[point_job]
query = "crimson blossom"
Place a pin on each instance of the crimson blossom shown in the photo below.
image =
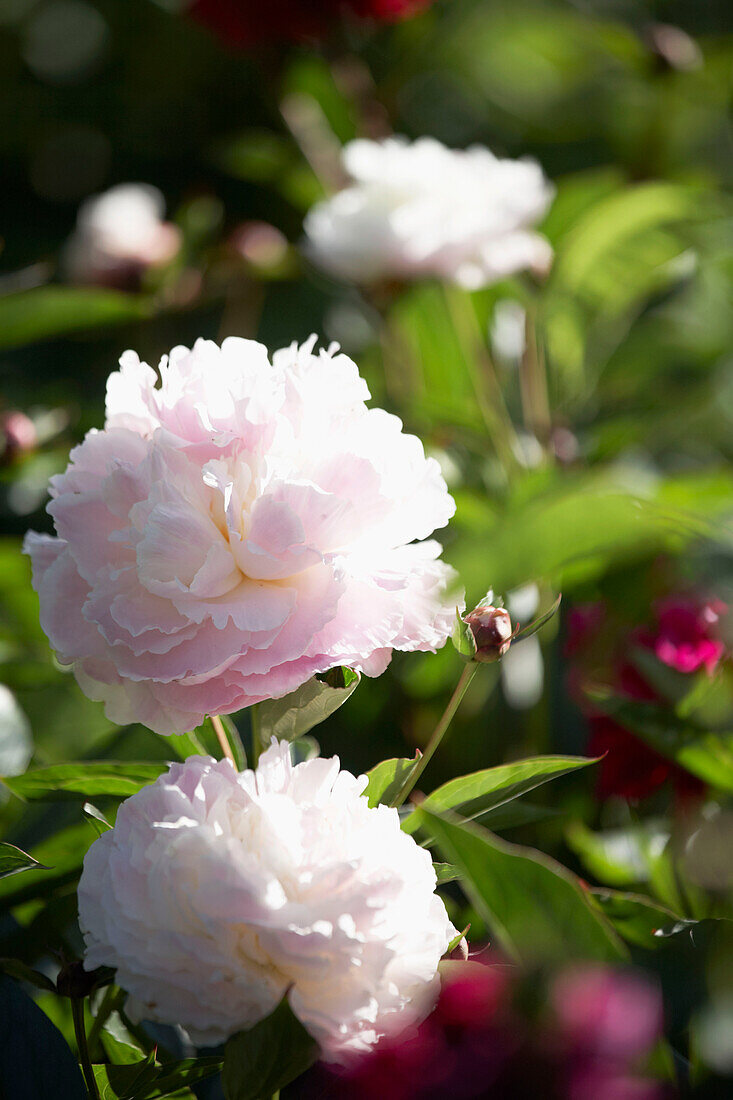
(244, 23)
(683, 636)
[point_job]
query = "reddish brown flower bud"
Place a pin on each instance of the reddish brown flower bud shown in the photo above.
(17, 435)
(492, 632)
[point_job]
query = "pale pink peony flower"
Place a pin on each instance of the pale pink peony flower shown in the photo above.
(237, 530)
(420, 209)
(217, 892)
(120, 234)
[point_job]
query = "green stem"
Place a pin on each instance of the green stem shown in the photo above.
(77, 1011)
(257, 746)
(467, 675)
(533, 383)
(485, 380)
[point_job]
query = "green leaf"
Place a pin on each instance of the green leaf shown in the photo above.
(118, 1050)
(621, 216)
(13, 860)
(485, 790)
(570, 529)
(637, 918)
(96, 818)
(388, 778)
(184, 745)
(618, 857)
(533, 627)
(536, 908)
(16, 969)
(262, 1060)
(81, 781)
(35, 1060)
(708, 754)
(446, 872)
(49, 311)
(147, 1081)
(462, 638)
(59, 859)
(307, 706)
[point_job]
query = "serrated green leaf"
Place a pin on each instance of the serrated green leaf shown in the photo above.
(81, 781)
(387, 779)
(262, 1060)
(13, 860)
(536, 908)
(492, 787)
(309, 705)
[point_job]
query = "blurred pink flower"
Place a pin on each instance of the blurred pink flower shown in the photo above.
(479, 1042)
(119, 235)
(236, 530)
(685, 637)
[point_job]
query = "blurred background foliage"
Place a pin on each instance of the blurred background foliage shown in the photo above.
(603, 471)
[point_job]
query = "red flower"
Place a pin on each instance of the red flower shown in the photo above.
(683, 637)
(244, 23)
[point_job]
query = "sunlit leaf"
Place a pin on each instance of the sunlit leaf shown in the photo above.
(49, 311)
(84, 780)
(488, 789)
(307, 706)
(387, 779)
(536, 909)
(13, 860)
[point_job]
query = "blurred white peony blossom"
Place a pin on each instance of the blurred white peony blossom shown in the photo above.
(119, 234)
(421, 209)
(217, 892)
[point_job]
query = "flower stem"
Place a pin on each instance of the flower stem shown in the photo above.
(533, 383)
(254, 718)
(77, 1011)
(467, 675)
(222, 738)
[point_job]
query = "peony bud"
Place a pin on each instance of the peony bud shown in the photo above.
(17, 435)
(492, 632)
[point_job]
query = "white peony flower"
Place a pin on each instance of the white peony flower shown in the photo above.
(119, 234)
(217, 892)
(236, 529)
(421, 209)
